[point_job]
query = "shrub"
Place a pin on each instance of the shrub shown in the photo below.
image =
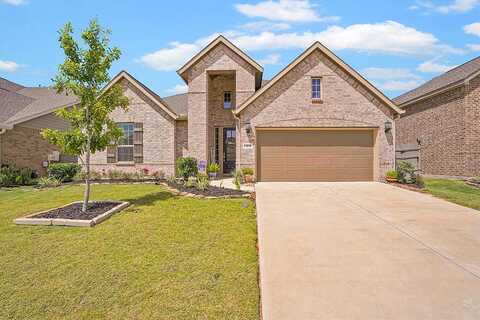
(191, 182)
(213, 167)
(392, 174)
(49, 182)
(187, 167)
(12, 176)
(138, 175)
(96, 175)
(202, 182)
(63, 171)
(238, 178)
(114, 174)
(247, 171)
(419, 181)
(79, 176)
(406, 172)
(127, 175)
(172, 179)
(158, 175)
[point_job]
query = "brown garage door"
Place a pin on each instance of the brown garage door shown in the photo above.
(315, 155)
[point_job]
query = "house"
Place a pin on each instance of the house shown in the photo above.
(442, 118)
(24, 111)
(316, 120)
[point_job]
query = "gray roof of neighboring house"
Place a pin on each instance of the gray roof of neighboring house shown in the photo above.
(452, 77)
(19, 103)
(178, 103)
(9, 85)
(11, 103)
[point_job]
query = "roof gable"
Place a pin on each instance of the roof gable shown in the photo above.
(318, 46)
(448, 80)
(210, 46)
(145, 90)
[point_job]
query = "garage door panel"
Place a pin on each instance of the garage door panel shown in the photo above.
(315, 155)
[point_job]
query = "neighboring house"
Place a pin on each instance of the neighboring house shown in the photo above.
(316, 120)
(24, 111)
(442, 118)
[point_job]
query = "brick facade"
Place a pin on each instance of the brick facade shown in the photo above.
(472, 128)
(447, 126)
(219, 68)
(287, 103)
(159, 149)
(345, 104)
(25, 147)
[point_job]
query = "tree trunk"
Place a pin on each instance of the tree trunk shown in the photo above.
(86, 194)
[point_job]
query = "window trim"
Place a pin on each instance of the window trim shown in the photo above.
(227, 104)
(131, 146)
(320, 98)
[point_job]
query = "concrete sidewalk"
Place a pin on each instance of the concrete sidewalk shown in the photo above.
(365, 251)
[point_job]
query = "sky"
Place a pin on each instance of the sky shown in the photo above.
(397, 45)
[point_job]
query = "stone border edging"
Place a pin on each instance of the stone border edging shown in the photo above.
(200, 196)
(30, 220)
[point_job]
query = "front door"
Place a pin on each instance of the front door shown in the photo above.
(229, 150)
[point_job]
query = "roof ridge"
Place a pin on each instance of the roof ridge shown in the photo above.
(459, 66)
(317, 45)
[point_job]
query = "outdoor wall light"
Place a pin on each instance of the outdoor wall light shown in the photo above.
(388, 126)
(248, 128)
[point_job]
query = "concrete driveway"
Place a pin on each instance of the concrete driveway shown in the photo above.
(365, 251)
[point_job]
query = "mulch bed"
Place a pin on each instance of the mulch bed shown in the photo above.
(212, 191)
(411, 187)
(74, 211)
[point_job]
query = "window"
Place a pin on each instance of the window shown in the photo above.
(227, 100)
(125, 144)
(316, 88)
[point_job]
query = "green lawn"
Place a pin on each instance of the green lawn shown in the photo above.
(164, 257)
(455, 191)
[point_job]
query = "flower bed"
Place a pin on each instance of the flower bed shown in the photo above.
(72, 215)
(210, 192)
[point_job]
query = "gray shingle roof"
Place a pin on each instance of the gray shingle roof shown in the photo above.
(19, 103)
(454, 76)
(11, 103)
(9, 85)
(178, 103)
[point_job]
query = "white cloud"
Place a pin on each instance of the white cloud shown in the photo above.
(283, 10)
(473, 28)
(170, 58)
(388, 37)
(265, 26)
(392, 79)
(474, 47)
(270, 59)
(15, 2)
(457, 6)
(433, 67)
(396, 85)
(9, 66)
(177, 89)
(388, 73)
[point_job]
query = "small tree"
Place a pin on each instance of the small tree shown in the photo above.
(84, 73)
